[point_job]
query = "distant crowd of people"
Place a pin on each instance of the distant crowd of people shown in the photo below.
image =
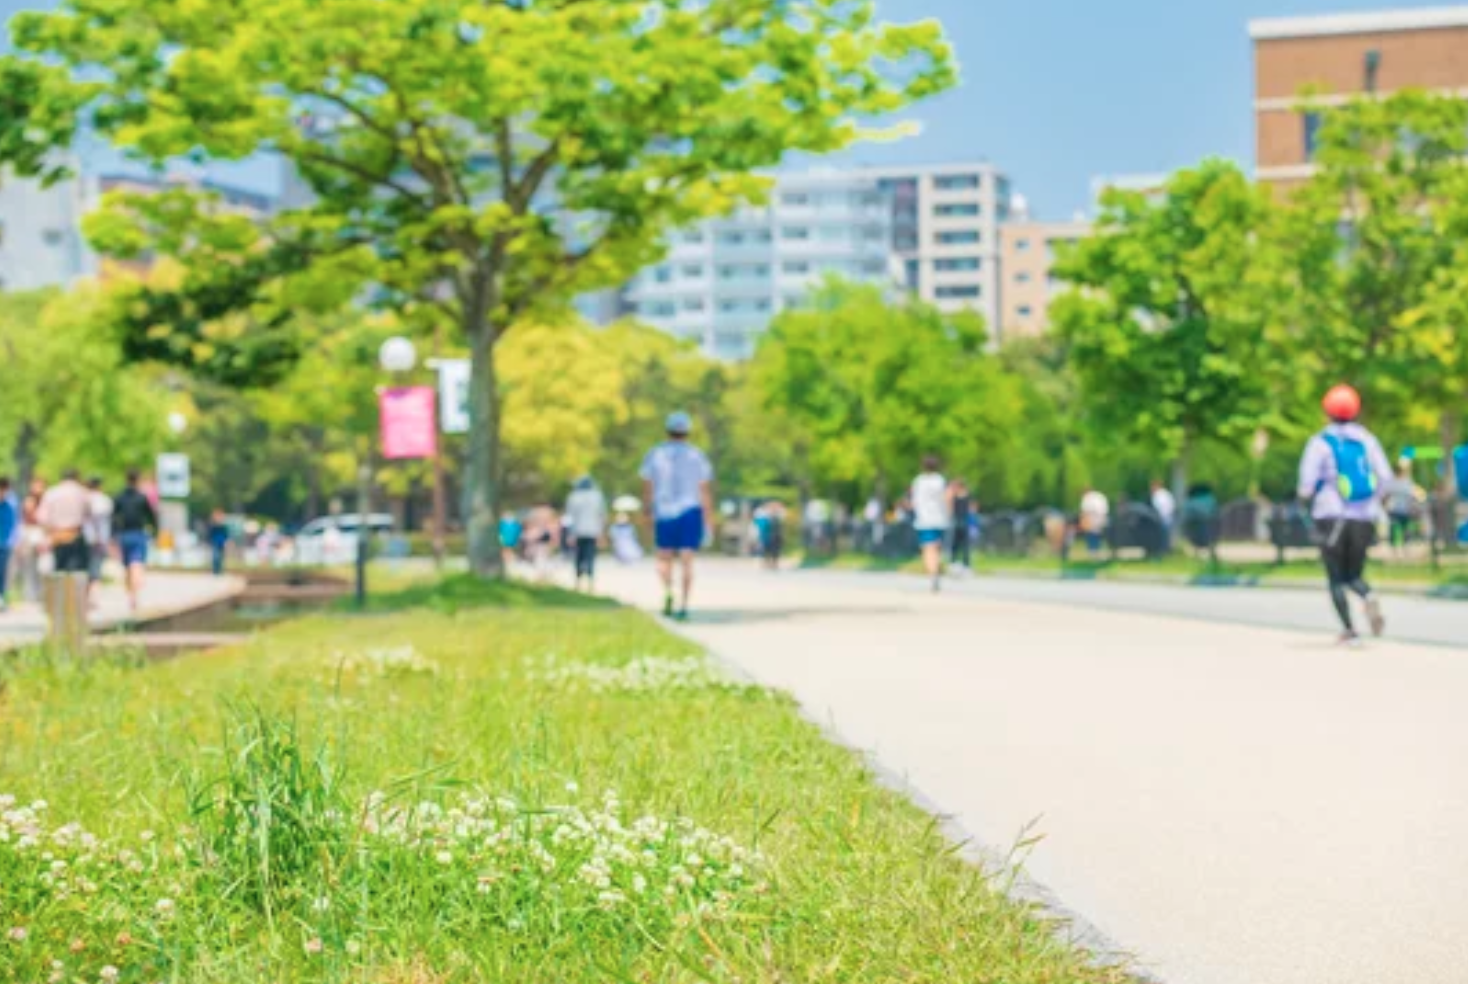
(72, 527)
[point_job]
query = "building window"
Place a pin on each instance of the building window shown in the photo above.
(793, 302)
(1021, 278)
(956, 293)
(659, 309)
(763, 304)
(905, 241)
(956, 182)
(1024, 310)
(731, 238)
(874, 234)
(795, 267)
(868, 199)
(695, 236)
(760, 270)
(1311, 122)
(966, 264)
(965, 237)
(874, 266)
(914, 275)
(728, 307)
(795, 199)
(53, 237)
(963, 209)
(663, 275)
(795, 232)
(728, 272)
(693, 271)
(763, 236)
(1022, 245)
(693, 303)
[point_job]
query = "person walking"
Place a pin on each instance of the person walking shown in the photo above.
(218, 541)
(586, 515)
(677, 491)
(1164, 504)
(1341, 474)
(98, 530)
(961, 549)
(1095, 515)
(10, 532)
(65, 513)
(932, 509)
(1402, 500)
(511, 529)
(31, 546)
(133, 516)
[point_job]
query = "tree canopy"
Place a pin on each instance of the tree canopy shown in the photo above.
(488, 161)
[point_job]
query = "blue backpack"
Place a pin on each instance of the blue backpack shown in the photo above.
(1355, 479)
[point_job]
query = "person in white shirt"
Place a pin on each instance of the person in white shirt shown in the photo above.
(97, 531)
(677, 489)
(586, 515)
(932, 509)
(1164, 503)
(1095, 515)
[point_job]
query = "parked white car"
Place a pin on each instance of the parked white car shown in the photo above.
(333, 539)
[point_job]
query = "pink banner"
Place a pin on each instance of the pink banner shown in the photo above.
(409, 429)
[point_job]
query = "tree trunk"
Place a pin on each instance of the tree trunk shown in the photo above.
(1448, 433)
(1181, 465)
(482, 474)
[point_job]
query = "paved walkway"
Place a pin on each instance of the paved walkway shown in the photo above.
(163, 595)
(1234, 804)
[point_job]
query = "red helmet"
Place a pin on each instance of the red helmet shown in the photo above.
(1342, 403)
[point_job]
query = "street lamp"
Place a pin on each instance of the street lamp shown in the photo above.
(397, 355)
(177, 423)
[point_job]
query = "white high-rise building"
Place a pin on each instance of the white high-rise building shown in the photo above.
(725, 280)
(41, 242)
(946, 220)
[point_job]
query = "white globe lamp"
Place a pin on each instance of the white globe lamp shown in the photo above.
(177, 423)
(397, 355)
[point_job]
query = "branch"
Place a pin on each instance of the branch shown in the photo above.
(535, 175)
(364, 174)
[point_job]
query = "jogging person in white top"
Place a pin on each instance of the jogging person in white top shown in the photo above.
(677, 489)
(932, 509)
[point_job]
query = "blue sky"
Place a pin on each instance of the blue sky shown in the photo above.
(1057, 92)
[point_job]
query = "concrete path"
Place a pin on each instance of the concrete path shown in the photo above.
(1234, 804)
(164, 595)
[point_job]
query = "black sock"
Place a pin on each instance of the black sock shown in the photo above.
(1342, 605)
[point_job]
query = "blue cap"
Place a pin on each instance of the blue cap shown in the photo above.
(679, 423)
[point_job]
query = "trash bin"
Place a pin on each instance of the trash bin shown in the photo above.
(64, 598)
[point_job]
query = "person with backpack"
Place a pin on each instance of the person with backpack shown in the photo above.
(1341, 476)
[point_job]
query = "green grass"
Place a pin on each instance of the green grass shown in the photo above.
(271, 859)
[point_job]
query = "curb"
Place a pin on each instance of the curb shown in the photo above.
(1069, 925)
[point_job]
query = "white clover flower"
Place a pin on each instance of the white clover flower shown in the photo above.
(314, 945)
(353, 947)
(444, 857)
(108, 973)
(321, 905)
(164, 907)
(17, 934)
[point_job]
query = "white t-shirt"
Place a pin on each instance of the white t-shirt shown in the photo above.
(586, 513)
(930, 502)
(678, 471)
(1095, 507)
(98, 528)
(1166, 505)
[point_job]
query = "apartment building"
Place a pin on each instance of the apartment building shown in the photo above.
(946, 220)
(723, 281)
(1344, 56)
(41, 242)
(1027, 256)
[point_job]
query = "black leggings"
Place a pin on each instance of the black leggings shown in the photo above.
(960, 551)
(1344, 550)
(585, 556)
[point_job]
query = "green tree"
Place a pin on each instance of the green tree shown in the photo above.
(1375, 239)
(68, 399)
(1168, 328)
(874, 386)
(490, 159)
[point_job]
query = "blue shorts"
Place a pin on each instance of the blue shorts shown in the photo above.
(134, 547)
(683, 532)
(926, 538)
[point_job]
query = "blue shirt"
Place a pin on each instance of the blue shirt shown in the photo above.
(9, 521)
(678, 471)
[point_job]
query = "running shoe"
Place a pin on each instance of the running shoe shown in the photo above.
(668, 605)
(1349, 640)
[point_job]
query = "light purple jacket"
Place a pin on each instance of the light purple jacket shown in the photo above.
(1318, 474)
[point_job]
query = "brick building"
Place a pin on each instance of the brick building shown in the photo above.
(1344, 56)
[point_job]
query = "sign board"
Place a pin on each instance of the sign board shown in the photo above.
(173, 476)
(408, 423)
(453, 395)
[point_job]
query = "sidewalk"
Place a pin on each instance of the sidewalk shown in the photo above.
(164, 595)
(1235, 805)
